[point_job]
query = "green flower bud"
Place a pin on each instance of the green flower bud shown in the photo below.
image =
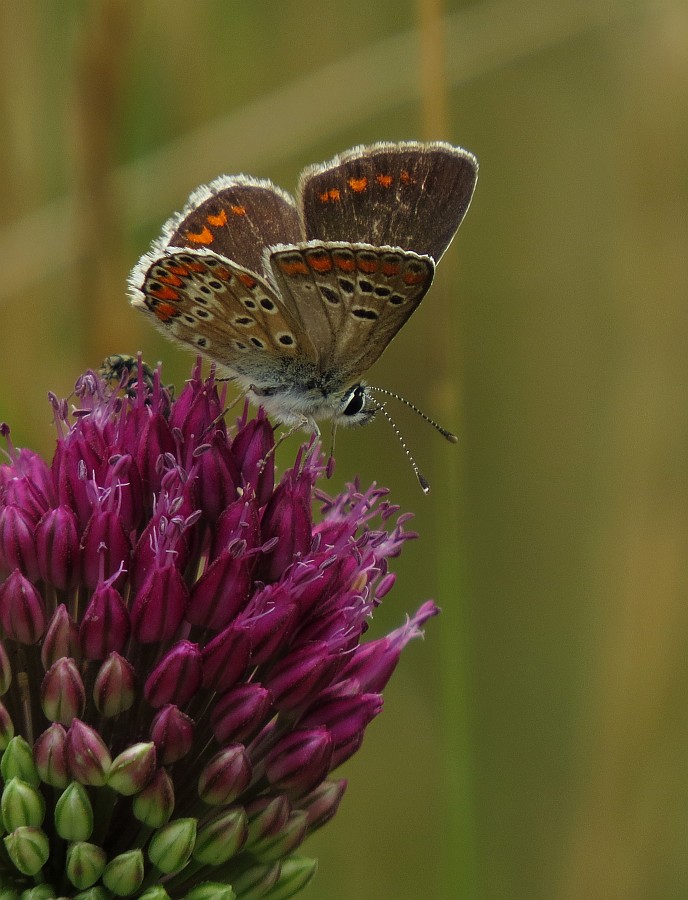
(17, 762)
(85, 864)
(296, 872)
(155, 803)
(132, 769)
(220, 839)
(40, 892)
(256, 881)
(74, 814)
(287, 839)
(211, 890)
(21, 805)
(123, 874)
(94, 893)
(6, 727)
(28, 848)
(172, 845)
(155, 893)
(8, 894)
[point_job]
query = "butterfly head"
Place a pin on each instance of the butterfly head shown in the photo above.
(356, 407)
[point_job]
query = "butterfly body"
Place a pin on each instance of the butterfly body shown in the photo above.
(298, 298)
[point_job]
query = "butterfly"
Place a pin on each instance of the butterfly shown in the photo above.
(297, 297)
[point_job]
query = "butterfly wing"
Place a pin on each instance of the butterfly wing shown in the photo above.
(235, 217)
(351, 298)
(212, 305)
(407, 195)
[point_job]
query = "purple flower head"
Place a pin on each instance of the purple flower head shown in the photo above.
(182, 643)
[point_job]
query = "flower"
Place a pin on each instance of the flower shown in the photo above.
(181, 662)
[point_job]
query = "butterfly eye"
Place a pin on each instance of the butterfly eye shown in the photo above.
(355, 402)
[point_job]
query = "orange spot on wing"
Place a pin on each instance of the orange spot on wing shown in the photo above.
(293, 267)
(170, 279)
(321, 262)
(197, 266)
(218, 220)
(345, 263)
(205, 236)
(178, 270)
(367, 265)
(414, 278)
(223, 273)
(330, 196)
(384, 180)
(406, 177)
(165, 312)
(163, 293)
(358, 185)
(390, 268)
(247, 280)
(238, 210)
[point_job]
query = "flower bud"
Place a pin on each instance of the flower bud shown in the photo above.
(277, 846)
(6, 727)
(84, 864)
(132, 769)
(295, 873)
(22, 610)
(57, 548)
(173, 733)
(159, 605)
(299, 676)
(287, 517)
(322, 803)
(171, 846)
(177, 676)
(61, 638)
(210, 890)
(256, 881)
(28, 848)
(155, 803)
(226, 776)
(63, 696)
(220, 592)
(226, 657)
(300, 760)
(17, 544)
(87, 756)
(114, 689)
(74, 814)
(221, 838)
(105, 547)
(50, 756)
(17, 762)
(105, 625)
(21, 804)
(266, 816)
(239, 712)
(252, 448)
(123, 874)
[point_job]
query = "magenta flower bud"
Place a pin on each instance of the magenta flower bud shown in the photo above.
(22, 609)
(239, 713)
(61, 637)
(321, 579)
(151, 440)
(239, 522)
(177, 676)
(197, 409)
(155, 803)
(226, 657)
(105, 625)
(346, 750)
(87, 755)
(159, 605)
(63, 696)
(267, 816)
(106, 547)
(123, 480)
(17, 544)
(50, 756)
(253, 448)
(344, 716)
(173, 733)
(278, 846)
(57, 548)
(70, 476)
(300, 760)
(287, 517)
(323, 802)
(217, 476)
(299, 676)
(114, 689)
(5, 671)
(26, 482)
(258, 880)
(220, 592)
(226, 776)
(132, 769)
(372, 664)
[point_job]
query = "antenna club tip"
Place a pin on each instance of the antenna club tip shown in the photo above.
(452, 438)
(424, 483)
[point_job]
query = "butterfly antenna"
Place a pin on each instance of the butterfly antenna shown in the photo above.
(422, 480)
(452, 438)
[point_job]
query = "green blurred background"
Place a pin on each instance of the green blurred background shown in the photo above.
(535, 745)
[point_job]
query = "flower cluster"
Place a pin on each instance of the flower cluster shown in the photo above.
(181, 663)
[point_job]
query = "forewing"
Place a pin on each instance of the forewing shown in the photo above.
(407, 195)
(235, 217)
(210, 304)
(350, 298)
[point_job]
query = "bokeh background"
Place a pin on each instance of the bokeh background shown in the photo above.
(535, 745)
